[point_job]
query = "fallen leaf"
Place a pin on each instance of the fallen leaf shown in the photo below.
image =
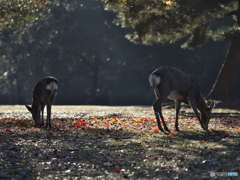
(7, 130)
(116, 170)
(201, 141)
(227, 134)
(170, 134)
(97, 134)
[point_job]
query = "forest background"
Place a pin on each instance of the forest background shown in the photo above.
(78, 43)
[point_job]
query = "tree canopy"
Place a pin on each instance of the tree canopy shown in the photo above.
(15, 13)
(161, 21)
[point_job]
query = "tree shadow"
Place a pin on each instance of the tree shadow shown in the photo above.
(106, 153)
(199, 153)
(67, 153)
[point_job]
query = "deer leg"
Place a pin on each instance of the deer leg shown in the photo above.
(48, 124)
(194, 107)
(177, 107)
(42, 110)
(164, 124)
(157, 106)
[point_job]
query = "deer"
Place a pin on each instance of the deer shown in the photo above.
(43, 93)
(172, 83)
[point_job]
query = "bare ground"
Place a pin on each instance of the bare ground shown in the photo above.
(123, 144)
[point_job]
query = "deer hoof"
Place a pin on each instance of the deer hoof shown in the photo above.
(166, 129)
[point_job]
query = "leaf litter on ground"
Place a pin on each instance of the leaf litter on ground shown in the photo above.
(101, 142)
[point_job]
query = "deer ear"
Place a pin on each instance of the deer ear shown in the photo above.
(29, 108)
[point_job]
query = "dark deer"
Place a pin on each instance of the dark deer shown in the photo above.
(44, 93)
(169, 82)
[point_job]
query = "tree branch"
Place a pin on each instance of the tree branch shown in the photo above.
(231, 13)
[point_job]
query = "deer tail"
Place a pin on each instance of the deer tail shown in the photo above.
(52, 86)
(154, 80)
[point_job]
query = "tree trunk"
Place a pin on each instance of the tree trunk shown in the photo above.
(229, 68)
(227, 73)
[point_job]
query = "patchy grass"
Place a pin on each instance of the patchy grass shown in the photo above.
(101, 142)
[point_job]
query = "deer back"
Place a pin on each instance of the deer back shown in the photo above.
(175, 83)
(45, 89)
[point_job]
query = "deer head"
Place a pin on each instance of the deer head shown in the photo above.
(206, 116)
(35, 111)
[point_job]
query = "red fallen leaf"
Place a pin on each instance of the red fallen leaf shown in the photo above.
(116, 170)
(7, 130)
(226, 118)
(156, 130)
(169, 118)
(80, 122)
(227, 134)
(201, 141)
(170, 134)
(97, 134)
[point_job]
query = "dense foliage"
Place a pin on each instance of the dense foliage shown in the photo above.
(164, 21)
(15, 13)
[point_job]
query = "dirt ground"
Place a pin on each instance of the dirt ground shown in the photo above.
(117, 142)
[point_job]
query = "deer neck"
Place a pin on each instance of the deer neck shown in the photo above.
(201, 105)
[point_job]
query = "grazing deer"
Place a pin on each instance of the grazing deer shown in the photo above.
(169, 82)
(44, 93)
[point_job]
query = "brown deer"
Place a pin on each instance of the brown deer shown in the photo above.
(169, 82)
(44, 93)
